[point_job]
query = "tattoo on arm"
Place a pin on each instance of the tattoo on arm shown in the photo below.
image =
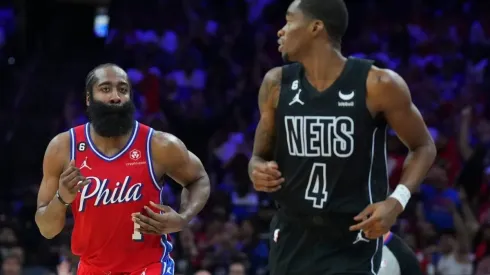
(268, 99)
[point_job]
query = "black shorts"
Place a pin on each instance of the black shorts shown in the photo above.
(409, 264)
(321, 246)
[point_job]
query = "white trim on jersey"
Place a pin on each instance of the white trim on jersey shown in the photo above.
(373, 144)
(386, 164)
(149, 160)
(72, 144)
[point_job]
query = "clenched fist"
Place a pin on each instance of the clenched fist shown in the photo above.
(266, 177)
(70, 182)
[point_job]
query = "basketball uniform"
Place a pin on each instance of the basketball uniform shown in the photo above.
(332, 155)
(104, 235)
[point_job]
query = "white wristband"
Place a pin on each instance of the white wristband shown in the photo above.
(401, 194)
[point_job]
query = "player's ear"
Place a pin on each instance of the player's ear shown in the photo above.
(87, 98)
(317, 27)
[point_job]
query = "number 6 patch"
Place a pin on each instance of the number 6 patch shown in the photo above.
(81, 146)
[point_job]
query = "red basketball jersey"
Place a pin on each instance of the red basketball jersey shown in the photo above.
(104, 234)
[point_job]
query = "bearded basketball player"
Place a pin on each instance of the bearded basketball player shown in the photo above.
(109, 172)
(319, 148)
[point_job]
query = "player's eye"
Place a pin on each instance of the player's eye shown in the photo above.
(105, 89)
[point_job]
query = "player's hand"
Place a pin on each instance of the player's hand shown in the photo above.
(266, 177)
(158, 224)
(71, 181)
(377, 219)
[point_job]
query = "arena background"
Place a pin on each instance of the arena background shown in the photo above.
(196, 66)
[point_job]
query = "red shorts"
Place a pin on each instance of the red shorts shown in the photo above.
(163, 268)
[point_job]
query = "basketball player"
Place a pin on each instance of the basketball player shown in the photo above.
(398, 258)
(319, 148)
(109, 172)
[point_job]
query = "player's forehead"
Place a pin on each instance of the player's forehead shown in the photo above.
(293, 10)
(111, 75)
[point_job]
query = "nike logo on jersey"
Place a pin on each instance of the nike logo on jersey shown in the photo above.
(102, 195)
(296, 99)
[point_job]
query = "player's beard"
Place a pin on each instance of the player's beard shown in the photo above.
(286, 58)
(111, 120)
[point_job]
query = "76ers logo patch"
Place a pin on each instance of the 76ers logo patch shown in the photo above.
(135, 154)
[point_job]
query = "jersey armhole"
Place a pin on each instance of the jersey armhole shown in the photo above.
(149, 160)
(72, 144)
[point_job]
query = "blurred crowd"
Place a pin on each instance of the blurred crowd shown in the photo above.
(195, 67)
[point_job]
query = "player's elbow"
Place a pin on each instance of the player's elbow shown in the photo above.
(428, 149)
(48, 229)
(431, 149)
(48, 234)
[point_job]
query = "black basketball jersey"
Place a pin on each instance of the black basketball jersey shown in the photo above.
(330, 150)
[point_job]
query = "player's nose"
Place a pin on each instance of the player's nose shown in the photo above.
(280, 33)
(115, 98)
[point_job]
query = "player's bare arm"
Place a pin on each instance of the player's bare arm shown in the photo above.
(262, 170)
(389, 95)
(61, 180)
(171, 157)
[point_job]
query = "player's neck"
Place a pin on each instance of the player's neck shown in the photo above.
(323, 66)
(109, 145)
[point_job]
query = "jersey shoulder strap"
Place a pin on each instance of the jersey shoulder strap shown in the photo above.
(290, 77)
(78, 140)
(290, 82)
(358, 72)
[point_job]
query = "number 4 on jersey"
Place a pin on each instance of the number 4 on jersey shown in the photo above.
(316, 191)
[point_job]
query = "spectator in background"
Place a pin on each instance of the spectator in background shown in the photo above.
(483, 267)
(455, 251)
(436, 197)
(12, 265)
(252, 245)
(483, 244)
(476, 156)
(237, 268)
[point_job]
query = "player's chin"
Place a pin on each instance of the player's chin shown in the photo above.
(285, 57)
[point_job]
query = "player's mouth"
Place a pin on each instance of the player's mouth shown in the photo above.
(279, 48)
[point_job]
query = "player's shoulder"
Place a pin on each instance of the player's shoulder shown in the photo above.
(165, 145)
(273, 76)
(164, 139)
(58, 151)
(273, 79)
(384, 80)
(386, 85)
(279, 74)
(386, 88)
(60, 142)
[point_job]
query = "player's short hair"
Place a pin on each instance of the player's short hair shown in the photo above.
(333, 14)
(91, 79)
